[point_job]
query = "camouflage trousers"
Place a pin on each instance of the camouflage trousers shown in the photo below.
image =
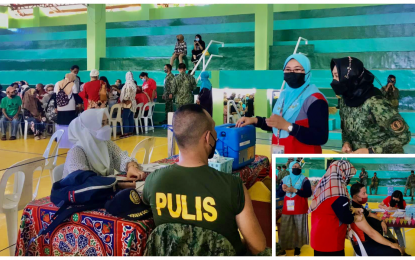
(374, 187)
(411, 191)
(169, 107)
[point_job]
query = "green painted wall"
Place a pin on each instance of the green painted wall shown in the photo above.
(96, 35)
(147, 12)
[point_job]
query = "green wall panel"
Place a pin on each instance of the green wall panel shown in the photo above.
(346, 21)
(43, 54)
(189, 29)
(182, 22)
(157, 40)
(49, 64)
(353, 32)
(345, 11)
(58, 44)
(360, 45)
(234, 58)
(44, 36)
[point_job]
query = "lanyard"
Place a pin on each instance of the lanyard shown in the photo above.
(283, 113)
(294, 182)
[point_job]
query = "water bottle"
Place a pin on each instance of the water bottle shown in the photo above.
(366, 206)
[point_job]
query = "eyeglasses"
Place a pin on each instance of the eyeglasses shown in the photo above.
(295, 70)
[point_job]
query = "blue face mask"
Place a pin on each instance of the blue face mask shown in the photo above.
(197, 39)
(143, 79)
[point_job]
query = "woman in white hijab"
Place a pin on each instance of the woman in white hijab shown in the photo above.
(127, 99)
(93, 149)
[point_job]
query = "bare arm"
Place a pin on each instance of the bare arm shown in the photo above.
(382, 206)
(373, 234)
(249, 227)
(16, 116)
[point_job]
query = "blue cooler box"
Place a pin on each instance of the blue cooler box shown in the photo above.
(237, 143)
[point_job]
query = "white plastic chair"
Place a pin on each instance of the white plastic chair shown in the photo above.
(50, 164)
(137, 118)
(57, 173)
(117, 119)
(148, 146)
(362, 248)
(19, 130)
(151, 106)
(22, 194)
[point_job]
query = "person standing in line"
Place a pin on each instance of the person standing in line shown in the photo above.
(95, 91)
(149, 86)
(391, 92)
(363, 177)
(410, 185)
(183, 87)
(167, 93)
(128, 101)
(205, 95)
(282, 174)
(374, 184)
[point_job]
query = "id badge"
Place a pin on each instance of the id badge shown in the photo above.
(290, 205)
(277, 149)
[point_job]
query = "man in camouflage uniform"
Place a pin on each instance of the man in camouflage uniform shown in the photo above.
(363, 177)
(410, 185)
(374, 184)
(183, 86)
(373, 127)
(391, 93)
(167, 94)
(282, 174)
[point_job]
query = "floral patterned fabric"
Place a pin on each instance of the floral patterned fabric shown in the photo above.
(89, 233)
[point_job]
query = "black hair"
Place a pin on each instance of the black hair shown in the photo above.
(284, 166)
(200, 37)
(182, 66)
(135, 82)
(103, 78)
(278, 166)
(391, 77)
(397, 194)
(14, 83)
(169, 67)
(143, 74)
(375, 173)
(22, 82)
(355, 189)
(186, 132)
(119, 80)
(412, 171)
(74, 67)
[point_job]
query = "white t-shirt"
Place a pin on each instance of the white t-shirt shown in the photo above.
(75, 90)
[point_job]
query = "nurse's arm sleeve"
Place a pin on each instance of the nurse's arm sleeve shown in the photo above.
(262, 124)
(341, 208)
(305, 192)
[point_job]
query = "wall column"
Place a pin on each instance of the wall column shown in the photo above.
(96, 37)
(36, 16)
(264, 26)
(217, 96)
(4, 17)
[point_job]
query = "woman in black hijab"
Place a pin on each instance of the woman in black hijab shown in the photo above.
(198, 48)
(368, 122)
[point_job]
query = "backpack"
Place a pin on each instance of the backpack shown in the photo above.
(61, 98)
(79, 191)
(50, 112)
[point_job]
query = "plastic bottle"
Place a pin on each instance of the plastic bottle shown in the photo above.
(366, 206)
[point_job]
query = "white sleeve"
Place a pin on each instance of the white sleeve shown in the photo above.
(56, 88)
(75, 88)
(75, 160)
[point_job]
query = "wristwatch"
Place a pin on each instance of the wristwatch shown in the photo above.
(290, 128)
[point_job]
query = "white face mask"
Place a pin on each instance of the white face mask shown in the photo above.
(114, 92)
(104, 133)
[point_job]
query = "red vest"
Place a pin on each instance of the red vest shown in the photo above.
(326, 233)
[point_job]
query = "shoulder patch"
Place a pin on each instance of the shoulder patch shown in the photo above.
(134, 197)
(398, 126)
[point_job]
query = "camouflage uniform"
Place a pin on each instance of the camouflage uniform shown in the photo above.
(182, 88)
(374, 185)
(410, 185)
(168, 82)
(391, 96)
(174, 239)
(281, 176)
(363, 178)
(374, 125)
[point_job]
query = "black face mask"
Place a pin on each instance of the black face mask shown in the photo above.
(393, 203)
(165, 71)
(212, 153)
(178, 40)
(338, 87)
(294, 80)
(296, 171)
